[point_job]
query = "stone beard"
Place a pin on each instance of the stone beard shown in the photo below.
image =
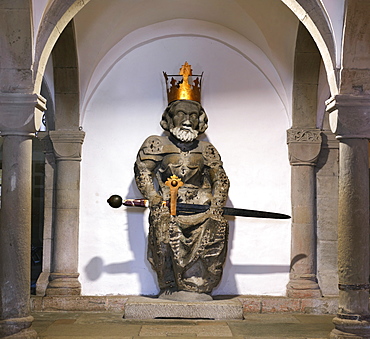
(185, 135)
(186, 251)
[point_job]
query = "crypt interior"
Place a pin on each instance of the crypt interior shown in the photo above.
(286, 88)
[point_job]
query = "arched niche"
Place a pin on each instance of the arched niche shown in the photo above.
(248, 122)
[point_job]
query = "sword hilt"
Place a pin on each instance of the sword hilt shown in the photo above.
(174, 183)
(116, 201)
(136, 202)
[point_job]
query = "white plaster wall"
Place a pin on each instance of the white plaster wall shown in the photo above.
(247, 124)
(102, 25)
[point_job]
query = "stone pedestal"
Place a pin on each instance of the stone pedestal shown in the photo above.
(350, 121)
(154, 308)
(17, 122)
(64, 276)
(304, 148)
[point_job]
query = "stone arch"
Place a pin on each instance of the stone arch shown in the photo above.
(56, 17)
(313, 16)
(306, 79)
(66, 84)
(354, 77)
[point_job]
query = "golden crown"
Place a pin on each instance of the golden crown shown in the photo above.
(184, 86)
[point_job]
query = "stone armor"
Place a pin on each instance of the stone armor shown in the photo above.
(186, 251)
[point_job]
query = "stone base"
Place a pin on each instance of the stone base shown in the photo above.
(154, 308)
(185, 296)
(350, 329)
(251, 304)
(306, 287)
(29, 333)
(63, 284)
(17, 328)
(303, 294)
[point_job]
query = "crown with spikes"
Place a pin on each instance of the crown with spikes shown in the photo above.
(182, 86)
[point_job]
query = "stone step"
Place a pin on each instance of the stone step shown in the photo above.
(154, 308)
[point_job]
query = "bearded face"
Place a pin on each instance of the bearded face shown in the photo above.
(185, 121)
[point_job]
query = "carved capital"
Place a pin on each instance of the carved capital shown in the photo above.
(349, 116)
(304, 146)
(20, 113)
(67, 144)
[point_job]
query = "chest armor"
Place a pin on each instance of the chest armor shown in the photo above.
(188, 166)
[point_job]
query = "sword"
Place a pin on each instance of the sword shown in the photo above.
(116, 201)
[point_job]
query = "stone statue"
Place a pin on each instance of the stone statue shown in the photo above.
(186, 251)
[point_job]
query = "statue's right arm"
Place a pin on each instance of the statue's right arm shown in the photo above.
(144, 173)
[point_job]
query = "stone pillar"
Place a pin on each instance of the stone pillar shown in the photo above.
(327, 173)
(304, 148)
(18, 121)
(350, 121)
(64, 276)
(49, 213)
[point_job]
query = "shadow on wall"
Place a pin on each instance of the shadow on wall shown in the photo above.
(138, 244)
(136, 230)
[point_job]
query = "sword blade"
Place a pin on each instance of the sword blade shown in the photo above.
(116, 201)
(187, 209)
(241, 212)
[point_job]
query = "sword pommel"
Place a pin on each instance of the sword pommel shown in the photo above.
(115, 201)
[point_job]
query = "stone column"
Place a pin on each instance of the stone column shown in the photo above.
(49, 212)
(64, 276)
(350, 121)
(18, 121)
(304, 148)
(327, 173)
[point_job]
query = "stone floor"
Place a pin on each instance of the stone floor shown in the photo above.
(65, 325)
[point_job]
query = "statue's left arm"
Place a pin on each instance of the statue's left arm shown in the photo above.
(218, 179)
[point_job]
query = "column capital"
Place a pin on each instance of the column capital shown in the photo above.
(304, 146)
(349, 116)
(21, 113)
(67, 144)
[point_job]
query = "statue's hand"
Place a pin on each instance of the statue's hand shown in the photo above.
(155, 201)
(216, 213)
(158, 209)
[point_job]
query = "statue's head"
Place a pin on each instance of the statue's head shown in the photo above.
(185, 119)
